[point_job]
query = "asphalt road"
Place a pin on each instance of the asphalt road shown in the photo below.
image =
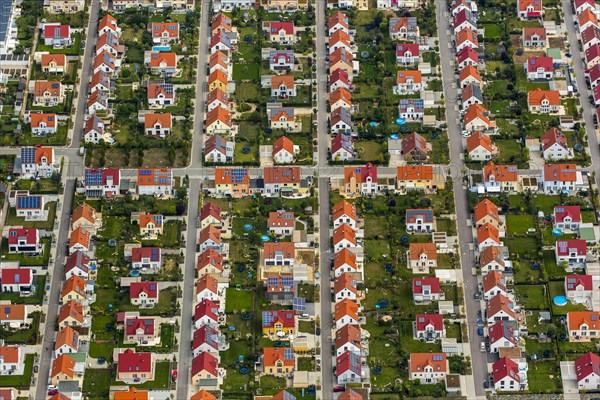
(321, 53)
(465, 235)
(325, 291)
(588, 109)
(189, 272)
(53, 296)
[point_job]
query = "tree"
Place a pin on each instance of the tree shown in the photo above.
(551, 330)
(181, 193)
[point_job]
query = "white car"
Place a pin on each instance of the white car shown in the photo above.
(466, 134)
(483, 347)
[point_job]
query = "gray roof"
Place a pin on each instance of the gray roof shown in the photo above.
(426, 213)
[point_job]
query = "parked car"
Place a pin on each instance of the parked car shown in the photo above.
(480, 331)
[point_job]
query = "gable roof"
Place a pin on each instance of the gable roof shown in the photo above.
(85, 211)
(492, 280)
(535, 97)
(414, 142)
(71, 309)
(80, 236)
(231, 176)
(131, 361)
(63, 364)
(486, 208)
(210, 257)
(284, 317)
(467, 53)
(505, 367)
(146, 219)
(153, 254)
(426, 214)
(586, 365)
(490, 254)
(480, 139)
(73, 284)
(43, 119)
(534, 63)
(206, 334)
(281, 219)
(500, 303)
(343, 282)
(422, 321)
(203, 394)
(205, 362)
(271, 355)
(206, 308)
(540, 32)
(348, 361)
(427, 249)
(344, 232)
(218, 114)
(502, 330)
(346, 307)
(465, 35)
(360, 173)
(419, 361)
(575, 319)
(348, 334)
(469, 71)
(281, 175)
(488, 231)
(572, 282)
(420, 282)
(337, 18)
(132, 325)
(560, 172)
(342, 208)
(475, 111)
(344, 257)
(415, 172)
(58, 59)
(132, 394)
(501, 173)
(207, 282)
(149, 288)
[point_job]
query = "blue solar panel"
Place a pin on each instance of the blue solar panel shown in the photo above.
(299, 304)
(29, 202)
(288, 354)
(437, 358)
(93, 177)
(145, 172)
(28, 155)
(267, 318)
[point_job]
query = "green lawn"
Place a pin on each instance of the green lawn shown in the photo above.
(96, 383)
(236, 349)
(238, 300)
(37, 296)
(521, 247)
(306, 326)
(246, 72)
(370, 150)
(538, 375)
(20, 381)
(306, 364)
(553, 270)
(557, 288)
(532, 297)
(13, 220)
(519, 224)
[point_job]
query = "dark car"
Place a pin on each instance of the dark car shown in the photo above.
(36, 369)
(486, 385)
(338, 389)
(480, 331)
(52, 392)
(318, 331)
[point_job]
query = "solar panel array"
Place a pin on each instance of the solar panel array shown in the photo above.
(154, 256)
(28, 155)
(299, 304)
(288, 354)
(267, 318)
(93, 177)
(238, 175)
(29, 201)
(437, 357)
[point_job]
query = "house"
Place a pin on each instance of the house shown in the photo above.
(161, 94)
(151, 225)
(567, 217)
(206, 339)
(220, 42)
(342, 59)
(469, 75)
(281, 60)
(133, 366)
(346, 312)
(344, 213)
(500, 178)
(534, 37)
(163, 63)
(108, 23)
(16, 280)
(24, 241)
(30, 206)
(283, 86)
(48, 93)
(590, 36)
(553, 145)
(466, 38)
(218, 120)
(428, 368)
(342, 146)
(563, 178)
(217, 98)
(499, 308)
(218, 80)
(73, 289)
(94, 132)
(11, 359)
(348, 368)
(593, 74)
(583, 326)
(164, 33)
(210, 238)
(480, 147)
(283, 180)
(71, 313)
(411, 109)
(64, 370)
(221, 23)
(280, 288)
(337, 21)
(102, 182)
(218, 150)
(339, 40)
(279, 323)
(340, 120)
(429, 327)
(100, 80)
(467, 56)
(587, 369)
(464, 19)
(156, 182)
(543, 101)
(404, 28)
(205, 370)
(108, 42)
(210, 261)
(422, 256)
(281, 222)
(85, 216)
(539, 68)
(426, 289)
(218, 61)
(418, 177)
(415, 147)
(53, 63)
(146, 258)
(80, 239)
(284, 150)
(592, 55)
(420, 220)
(506, 372)
(494, 283)
(344, 261)
(57, 35)
(120, 6)
(144, 294)
(77, 264)
(279, 254)
(344, 287)
(350, 394)
(476, 118)
(339, 79)
(340, 98)
(587, 18)
(529, 9)
(98, 101)
(140, 331)
(43, 124)
(210, 214)
(278, 361)
(581, 5)
(502, 334)
(132, 393)
(206, 313)
(491, 259)
(579, 288)
(407, 53)
(13, 316)
(67, 341)
(348, 338)
(38, 161)
(158, 124)
(360, 180)
(105, 61)
(233, 182)
(281, 118)
(487, 235)
(408, 82)
(282, 33)
(457, 6)
(207, 287)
